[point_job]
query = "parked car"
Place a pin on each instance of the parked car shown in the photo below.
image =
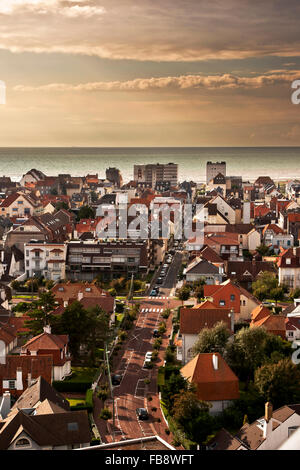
(148, 355)
(156, 333)
(147, 363)
(116, 379)
(142, 413)
(153, 293)
(160, 280)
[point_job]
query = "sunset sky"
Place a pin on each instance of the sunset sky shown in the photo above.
(149, 72)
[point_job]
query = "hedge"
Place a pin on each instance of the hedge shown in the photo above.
(62, 386)
(89, 398)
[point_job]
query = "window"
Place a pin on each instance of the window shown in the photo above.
(288, 260)
(292, 429)
(232, 297)
(222, 303)
(291, 333)
(22, 443)
(12, 384)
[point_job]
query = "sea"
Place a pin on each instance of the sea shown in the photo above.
(280, 163)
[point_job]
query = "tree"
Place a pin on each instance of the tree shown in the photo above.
(96, 330)
(85, 212)
(192, 416)
(247, 351)
(184, 293)
(277, 294)
(265, 283)
(173, 386)
(61, 205)
(279, 383)
(73, 322)
(212, 339)
(263, 250)
(94, 196)
(41, 313)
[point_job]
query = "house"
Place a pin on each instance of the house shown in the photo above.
(227, 245)
(201, 269)
(55, 345)
(45, 259)
(275, 324)
(230, 295)
(215, 382)
(246, 272)
(45, 427)
(17, 372)
(8, 339)
(193, 320)
(269, 432)
(87, 293)
(289, 267)
(275, 237)
(32, 176)
(19, 205)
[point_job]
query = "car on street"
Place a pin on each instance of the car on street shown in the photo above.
(148, 355)
(153, 293)
(160, 280)
(147, 363)
(156, 333)
(142, 413)
(116, 379)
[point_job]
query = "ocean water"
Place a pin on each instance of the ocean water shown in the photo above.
(249, 162)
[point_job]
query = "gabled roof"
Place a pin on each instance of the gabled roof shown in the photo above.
(200, 266)
(213, 384)
(39, 391)
(46, 341)
(193, 320)
(47, 429)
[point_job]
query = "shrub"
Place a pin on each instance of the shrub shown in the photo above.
(146, 381)
(105, 414)
(89, 398)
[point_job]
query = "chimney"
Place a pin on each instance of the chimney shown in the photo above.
(268, 424)
(80, 295)
(47, 329)
(5, 405)
(215, 360)
(19, 384)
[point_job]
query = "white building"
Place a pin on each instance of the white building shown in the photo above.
(45, 259)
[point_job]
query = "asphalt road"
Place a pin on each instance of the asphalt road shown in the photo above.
(132, 392)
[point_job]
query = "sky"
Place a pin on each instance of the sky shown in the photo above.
(149, 73)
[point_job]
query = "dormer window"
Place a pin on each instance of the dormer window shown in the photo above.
(22, 443)
(288, 260)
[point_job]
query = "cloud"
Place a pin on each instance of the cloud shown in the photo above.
(183, 82)
(68, 8)
(152, 30)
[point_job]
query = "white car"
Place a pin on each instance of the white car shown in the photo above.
(148, 355)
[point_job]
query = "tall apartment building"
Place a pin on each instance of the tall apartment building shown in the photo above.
(213, 169)
(111, 259)
(151, 174)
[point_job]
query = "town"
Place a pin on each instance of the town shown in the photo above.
(118, 340)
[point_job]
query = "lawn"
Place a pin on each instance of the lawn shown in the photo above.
(76, 401)
(82, 374)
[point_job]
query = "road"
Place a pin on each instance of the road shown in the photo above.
(132, 392)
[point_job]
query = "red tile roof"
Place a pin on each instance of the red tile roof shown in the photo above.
(193, 320)
(212, 384)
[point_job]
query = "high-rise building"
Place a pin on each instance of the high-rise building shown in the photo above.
(156, 173)
(213, 169)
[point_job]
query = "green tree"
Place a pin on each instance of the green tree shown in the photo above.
(265, 283)
(279, 383)
(247, 351)
(212, 339)
(96, 331)
(41, 313)
(173, 386)
(61, 205)
(73, 322)
(263, 250)
(85, 212)
(192, 416)
(184, 293)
